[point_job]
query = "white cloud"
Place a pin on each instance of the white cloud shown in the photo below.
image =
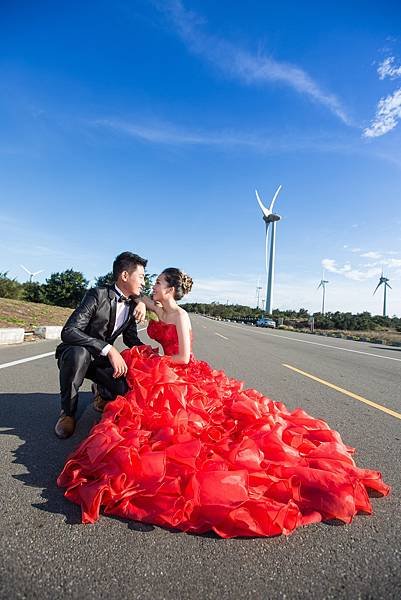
(371, 255)
(347, 271)
(387, 69)
(388, 113)
(242, 65)
(391, 263)
(168, 133)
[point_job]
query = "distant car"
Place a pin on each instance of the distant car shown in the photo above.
(264, 322)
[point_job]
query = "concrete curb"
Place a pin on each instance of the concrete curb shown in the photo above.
(17, 335)
(12, 335)
(49, 332)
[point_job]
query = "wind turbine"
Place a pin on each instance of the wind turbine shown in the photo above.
(385, 281)
(322, 284)
(269, 217)
(258, 290)
(31, 275)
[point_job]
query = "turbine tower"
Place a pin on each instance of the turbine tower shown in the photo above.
(31, 275)
(269, 217)
(322, 284)
(258, 290)
(385, 281)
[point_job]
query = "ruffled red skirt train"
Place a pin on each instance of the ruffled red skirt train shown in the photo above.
(189, 448)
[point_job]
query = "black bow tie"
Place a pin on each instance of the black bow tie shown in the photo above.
(122, 298)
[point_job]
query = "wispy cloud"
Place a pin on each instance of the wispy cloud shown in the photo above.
(388, 111)
(168, 133)
(387, 69)
(350, 273)
(365, 270)
(352, 249)
(160, 132)
(388, 114)
(391, 263)
(371, 254)
(242, 65)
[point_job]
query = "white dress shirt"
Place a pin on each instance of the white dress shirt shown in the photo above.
(121, 317)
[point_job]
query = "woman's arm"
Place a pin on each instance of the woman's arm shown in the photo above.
(150, 305)
(183, 325)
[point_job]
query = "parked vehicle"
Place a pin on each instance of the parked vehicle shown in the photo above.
(265, 322)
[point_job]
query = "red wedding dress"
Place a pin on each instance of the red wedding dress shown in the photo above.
(188, 447)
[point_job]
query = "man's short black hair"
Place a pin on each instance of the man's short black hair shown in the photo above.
(127, 261)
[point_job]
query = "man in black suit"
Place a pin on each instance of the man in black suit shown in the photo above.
(87, 349)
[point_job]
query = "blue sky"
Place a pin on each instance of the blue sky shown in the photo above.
(147, 125)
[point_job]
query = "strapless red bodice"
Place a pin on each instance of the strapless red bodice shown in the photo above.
(165, 334)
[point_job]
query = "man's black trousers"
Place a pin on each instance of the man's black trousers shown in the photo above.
(76, 364)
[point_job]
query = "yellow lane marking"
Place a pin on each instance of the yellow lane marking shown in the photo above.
(393, 413)
(222, 336)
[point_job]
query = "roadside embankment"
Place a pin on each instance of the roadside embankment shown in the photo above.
(35, 321)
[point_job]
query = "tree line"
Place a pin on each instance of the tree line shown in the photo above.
(298, 319)
(61, 289)
(68, 288)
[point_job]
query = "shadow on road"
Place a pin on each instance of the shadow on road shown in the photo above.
(395, 348)
(31, 418)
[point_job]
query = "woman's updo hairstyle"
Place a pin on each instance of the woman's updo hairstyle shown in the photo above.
(180, 281)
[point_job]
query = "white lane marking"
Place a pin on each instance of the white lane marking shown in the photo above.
(222, 336)
(36, 357)
(24, 360)
(285, 337)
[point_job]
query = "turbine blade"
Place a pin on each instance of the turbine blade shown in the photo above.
(25, 269)
(378, 285)
(37, 272)
(265, 210)
(274, 197)
(388, 285)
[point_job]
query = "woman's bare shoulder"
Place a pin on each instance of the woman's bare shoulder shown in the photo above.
(183, 317)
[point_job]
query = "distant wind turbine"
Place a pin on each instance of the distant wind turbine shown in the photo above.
(31, 275)
(258, 290)
(269, 217)
(322, 284)
(385, 281)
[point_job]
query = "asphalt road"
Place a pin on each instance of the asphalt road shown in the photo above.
(47, 553)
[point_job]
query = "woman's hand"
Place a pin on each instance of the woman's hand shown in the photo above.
(156, 307)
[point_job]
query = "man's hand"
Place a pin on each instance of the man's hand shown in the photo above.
(117, 362)
(140, 312)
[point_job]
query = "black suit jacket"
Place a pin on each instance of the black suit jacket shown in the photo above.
(92, 323)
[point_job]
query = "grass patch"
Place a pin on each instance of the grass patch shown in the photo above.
(18, 313)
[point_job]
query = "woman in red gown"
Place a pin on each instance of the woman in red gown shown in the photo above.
(188, 447)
